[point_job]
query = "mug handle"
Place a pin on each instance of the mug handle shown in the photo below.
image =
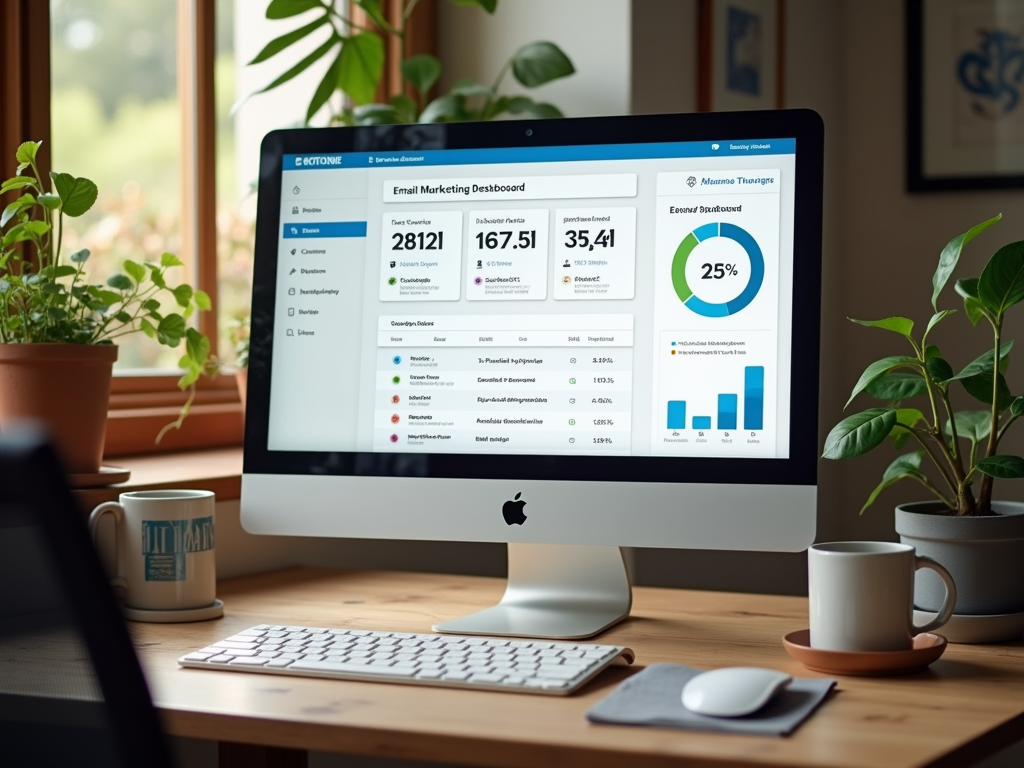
(118, 512)
(946, 611)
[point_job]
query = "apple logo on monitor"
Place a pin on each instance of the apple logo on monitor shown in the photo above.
(512, 511)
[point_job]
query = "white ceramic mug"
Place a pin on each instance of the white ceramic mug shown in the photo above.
(164, 548)
(862, 596)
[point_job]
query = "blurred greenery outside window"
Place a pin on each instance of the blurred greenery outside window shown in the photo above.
(116, 118)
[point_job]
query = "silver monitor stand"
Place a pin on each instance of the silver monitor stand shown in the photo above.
(557, 591)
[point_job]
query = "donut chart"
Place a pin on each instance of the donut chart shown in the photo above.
(749, 291)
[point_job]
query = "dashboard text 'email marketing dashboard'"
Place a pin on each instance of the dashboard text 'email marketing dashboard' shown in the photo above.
(621, 300)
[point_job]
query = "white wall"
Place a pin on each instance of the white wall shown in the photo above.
(595, 34)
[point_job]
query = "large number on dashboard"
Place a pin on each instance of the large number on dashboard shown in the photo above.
(413, 241)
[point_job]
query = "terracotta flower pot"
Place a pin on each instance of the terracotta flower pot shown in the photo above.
(67, 387)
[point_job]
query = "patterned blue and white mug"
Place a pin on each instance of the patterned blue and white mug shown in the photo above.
(164, 548)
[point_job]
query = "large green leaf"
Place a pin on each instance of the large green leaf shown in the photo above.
(1001, 284)
(467, 87)
(898, 386)
(541, 62)
(283, 9)
(951, 255)
(361, 66)
(447, 108)
(49, 201)
(907, 419)
(170, 330)
(17, 182)
(405, 108)
(119, 282)
(422, 71)
(984, 363)
(324, 90)
(488, 5)
(940, 371)
(937, 318)
(1017, 406)
(878, 369)
(971, 425)
(375, 114)
(975, 310)
(967, 287)
(374, 11)
(16, 207)
(1007, 467)
(856, 435)
(76, 195)
(980, 388)
(278, 44)
(901, 325)
(908, 465)
(26, 152)
(303, 65)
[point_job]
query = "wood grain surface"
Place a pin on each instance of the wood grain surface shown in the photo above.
(968, 705)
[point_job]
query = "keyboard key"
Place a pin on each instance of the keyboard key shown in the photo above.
(238, 652)
(558, 673)
(352, 669)
(220, 659)
(232, 644)
(249, 661)
(428, 674)
(456, 676)
(495, 678)
(199, 656)
(279, 663)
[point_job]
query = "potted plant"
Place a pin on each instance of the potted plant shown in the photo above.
(58, 330)
(957, 455)
(357, 55)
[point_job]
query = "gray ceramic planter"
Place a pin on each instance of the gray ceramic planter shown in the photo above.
(985, 556)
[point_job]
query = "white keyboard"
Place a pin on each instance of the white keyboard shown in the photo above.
(480, 663)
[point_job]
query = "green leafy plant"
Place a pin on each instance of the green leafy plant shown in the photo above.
(961, 446)
(357, 65)
(47, 298)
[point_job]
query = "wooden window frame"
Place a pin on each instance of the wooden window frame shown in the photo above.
(142, 403)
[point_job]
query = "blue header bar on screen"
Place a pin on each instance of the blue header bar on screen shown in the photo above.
(654, 151)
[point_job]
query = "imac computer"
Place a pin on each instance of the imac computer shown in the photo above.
(566, 335)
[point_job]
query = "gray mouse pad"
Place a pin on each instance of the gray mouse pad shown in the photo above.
(653, 697)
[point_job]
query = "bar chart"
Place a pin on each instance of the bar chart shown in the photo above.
(728, 407)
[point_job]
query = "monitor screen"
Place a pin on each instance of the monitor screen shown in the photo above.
(459, 301)
(590, 300)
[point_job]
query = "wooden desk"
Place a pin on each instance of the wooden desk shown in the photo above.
(968, 705)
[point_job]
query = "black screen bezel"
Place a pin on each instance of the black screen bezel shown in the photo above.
(800, 468)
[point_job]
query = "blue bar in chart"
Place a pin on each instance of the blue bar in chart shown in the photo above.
(727, 405)
(677, 414)
(753, 397)
(702, 422)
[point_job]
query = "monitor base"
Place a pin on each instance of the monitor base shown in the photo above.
(556, 591)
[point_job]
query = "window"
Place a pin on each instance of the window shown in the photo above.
(140, 102)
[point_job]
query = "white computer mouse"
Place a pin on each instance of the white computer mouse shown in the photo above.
(733, 691)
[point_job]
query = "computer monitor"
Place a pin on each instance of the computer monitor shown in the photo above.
(567, 335)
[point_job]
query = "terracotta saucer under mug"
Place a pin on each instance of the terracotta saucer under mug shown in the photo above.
(927, 648)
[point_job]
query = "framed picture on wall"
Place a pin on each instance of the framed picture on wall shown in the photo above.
(740, 55)
(965, 94)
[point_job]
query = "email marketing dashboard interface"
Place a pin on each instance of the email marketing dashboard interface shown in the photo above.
(620, 300)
